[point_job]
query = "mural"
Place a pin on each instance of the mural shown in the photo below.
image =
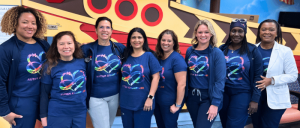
(153, 16)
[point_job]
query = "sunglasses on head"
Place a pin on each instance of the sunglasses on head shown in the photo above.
(241, 20)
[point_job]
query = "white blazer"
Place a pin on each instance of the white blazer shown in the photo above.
(282, 67)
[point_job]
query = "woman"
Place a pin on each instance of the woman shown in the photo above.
(140, 77)
(64, 78)
(171, 87)
(279, 69)
(103, 72)
(206, 75)
(21, 58)
(244, 67)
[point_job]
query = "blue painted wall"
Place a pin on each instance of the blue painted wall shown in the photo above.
(203, 5)
(266, 9)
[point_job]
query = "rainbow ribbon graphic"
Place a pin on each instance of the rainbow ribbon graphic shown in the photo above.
(31, 65)
(162, 74)
(129, 76)
(236, 66)
(266, 63)
(105, 65)
(195, 63)
(73, 85)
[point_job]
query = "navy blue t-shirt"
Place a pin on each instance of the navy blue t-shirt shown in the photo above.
(28, 76)
(107, 69)
(199, 69)
(238, 67)
(136, 80)
(266, 54)
(68, 92)
(167, 88)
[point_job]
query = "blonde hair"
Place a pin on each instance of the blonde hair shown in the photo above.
(10, 21)
(212, 40)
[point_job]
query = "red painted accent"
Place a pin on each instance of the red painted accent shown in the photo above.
(99, 11)
(135, 10)
(55, 1)
(160, 14)
(297, 59)
(121, 37)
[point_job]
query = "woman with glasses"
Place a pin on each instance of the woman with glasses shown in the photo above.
(21, 59)
(103, 74)
(206, 75)
(279, 69)
(244, 67)
(140, 77)
(171, 88)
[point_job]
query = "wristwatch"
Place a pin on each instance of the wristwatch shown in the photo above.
(177, 105)
(151, 97)
(272, 81)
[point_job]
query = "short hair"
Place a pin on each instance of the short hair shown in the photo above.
(53, 55)
(10, 20)
(158, 50)
(212, 40)
(279, 32)
(101, 19)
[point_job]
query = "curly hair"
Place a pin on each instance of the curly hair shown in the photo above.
(213, 39)
(158, 50)
(10, 19)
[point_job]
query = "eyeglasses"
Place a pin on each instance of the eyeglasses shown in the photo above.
(241, 20)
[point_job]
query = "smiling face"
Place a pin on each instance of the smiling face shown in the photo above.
(268, 32)
(26, 27)
(203, 35)
(66, 47)
(237, 34)
(137, 40)
(104, 30)
(167, 43)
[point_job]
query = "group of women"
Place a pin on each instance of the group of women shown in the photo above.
(63, 81)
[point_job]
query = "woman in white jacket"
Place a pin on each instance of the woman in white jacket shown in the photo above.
(279, 70)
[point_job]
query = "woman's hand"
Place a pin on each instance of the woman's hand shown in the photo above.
(148, 104)
(44, 121)
(10, 118)
(263, 83)
(174, 109)
(212, 112)
(252, 107)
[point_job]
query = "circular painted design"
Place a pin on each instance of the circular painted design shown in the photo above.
(160, 14)
(100, 11)
(126, 8)
(123, 17)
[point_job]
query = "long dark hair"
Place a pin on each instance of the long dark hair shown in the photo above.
(244, 45)
(53, 56)
(158, 50)
(279, 32)
(129, 50)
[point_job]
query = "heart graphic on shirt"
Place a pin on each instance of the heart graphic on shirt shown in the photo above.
(34, 67)
(198, 65)
(106, 64)
(69, 81)
(235, 68)
(133, 77)
(266, 63)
